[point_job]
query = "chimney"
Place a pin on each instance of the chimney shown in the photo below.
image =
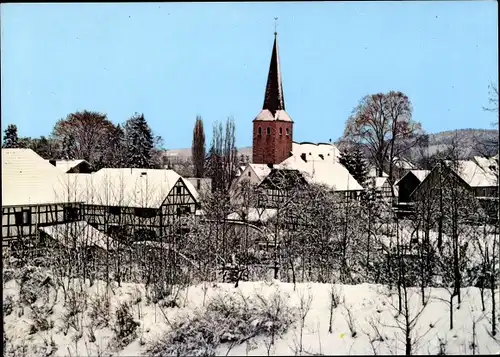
(53, 162)
(303, 157)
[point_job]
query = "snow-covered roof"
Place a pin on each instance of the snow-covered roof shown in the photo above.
(126, 187)
(328, 173)
(475, 175)
(419, 174)
(240, 170)
(255, 214)
(487, 164)
(379, 181)
(261, 170)
(78, 234)
(28, 179)
(66, 165)
(266, 115)
(328, 152)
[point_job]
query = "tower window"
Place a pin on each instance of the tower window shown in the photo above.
(281, 131)
(268, 130)
(260, 131)
(287, 131)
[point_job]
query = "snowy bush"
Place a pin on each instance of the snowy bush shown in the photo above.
(8, 305)
(226, 319)
(40, 316)
(31, 284)
(99, 311)
(125, 326)
(8, 275)
(75, 305)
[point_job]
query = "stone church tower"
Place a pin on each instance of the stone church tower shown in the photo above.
(272, 128)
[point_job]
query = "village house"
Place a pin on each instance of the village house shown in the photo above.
(33, 196)
(134, 204)
(381, 186)
(408, 183)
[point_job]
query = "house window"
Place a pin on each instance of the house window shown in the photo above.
(249, 174)
(259, 130)
(268, 130)
(114, 210)
(23, 218)
(145, 212)
(198, 184)
(287, 132)
(179, 190)
(281, 131)
(183, 210)
(71, 214)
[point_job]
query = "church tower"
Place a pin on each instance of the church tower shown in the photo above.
(272, 128)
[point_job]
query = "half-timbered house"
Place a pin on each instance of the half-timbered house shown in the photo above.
(408, 183)
(33, 196)
(381, 186)
(134, 204)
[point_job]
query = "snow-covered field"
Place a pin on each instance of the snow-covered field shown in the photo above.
(361, 312)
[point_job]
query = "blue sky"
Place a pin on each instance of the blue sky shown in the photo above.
(173, 61)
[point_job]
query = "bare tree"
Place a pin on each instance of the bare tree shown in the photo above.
(198, 148)
(88, 131)
(493, 98)
(383, 124)
(222, 161)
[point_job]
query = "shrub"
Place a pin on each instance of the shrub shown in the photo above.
(31, 281)
(99, 311)
(226, 319)
(74, 308)
(125, 327)
(8, 305)
(40, 316)
(8, 275)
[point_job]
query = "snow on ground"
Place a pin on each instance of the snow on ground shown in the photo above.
(365, 302)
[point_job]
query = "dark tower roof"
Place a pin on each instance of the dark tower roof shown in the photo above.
(274, 99)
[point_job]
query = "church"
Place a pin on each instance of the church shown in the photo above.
(273, 146)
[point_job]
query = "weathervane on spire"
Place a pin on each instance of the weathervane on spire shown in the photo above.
(275, 26)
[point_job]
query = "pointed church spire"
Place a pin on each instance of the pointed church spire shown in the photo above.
(274, 99)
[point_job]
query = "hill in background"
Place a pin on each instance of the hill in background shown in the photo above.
(468, 140)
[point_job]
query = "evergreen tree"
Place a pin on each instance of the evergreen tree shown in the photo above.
(140, 142)
(198, 148)
(346, 158)
(354, 161)
(10, 139)
(116, 151)
(68, 147)
(360, 167)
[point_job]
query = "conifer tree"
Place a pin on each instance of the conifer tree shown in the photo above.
(346, 158)
(10, 139)
(353, 160)
(68, 149)
(198, 148)
(360, 167)
(140, 142)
